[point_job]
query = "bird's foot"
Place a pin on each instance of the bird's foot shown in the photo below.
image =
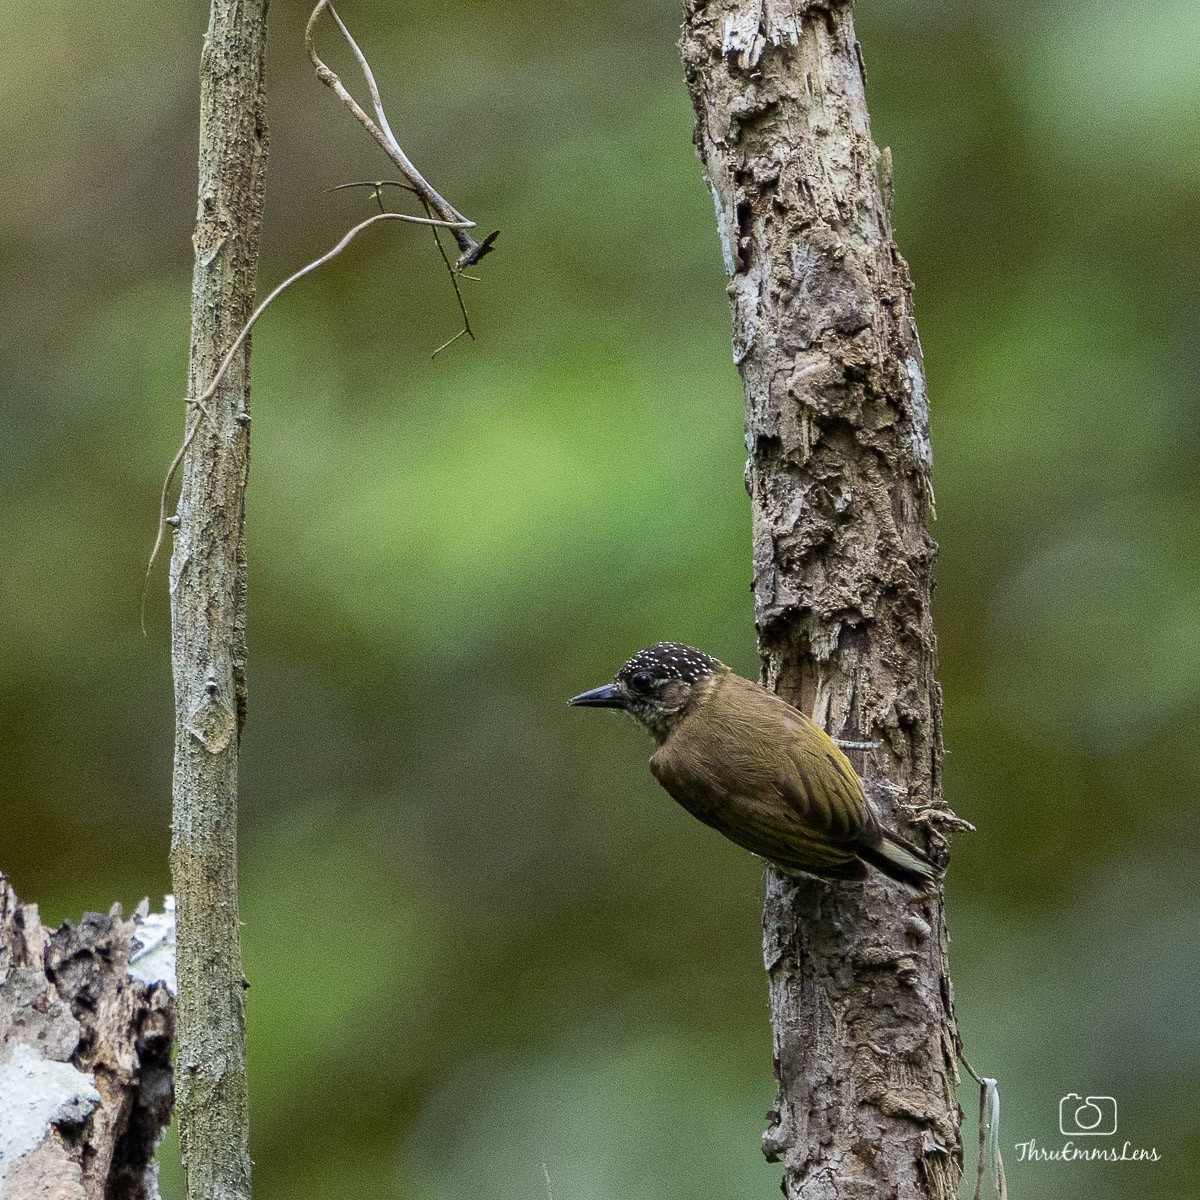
(926, 814)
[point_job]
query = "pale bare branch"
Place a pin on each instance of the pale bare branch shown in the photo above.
(470, 250)
(308, 269)
(198, 401)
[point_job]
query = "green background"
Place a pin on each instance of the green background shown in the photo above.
(480, 938)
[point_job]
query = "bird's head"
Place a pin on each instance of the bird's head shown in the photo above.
(658, 686)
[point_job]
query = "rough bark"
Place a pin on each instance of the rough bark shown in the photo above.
(85, 1058)
(208, 609)
(837, 428)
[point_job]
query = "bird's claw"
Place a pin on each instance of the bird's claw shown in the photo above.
(925, 814)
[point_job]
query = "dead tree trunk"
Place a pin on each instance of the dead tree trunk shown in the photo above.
(839, 477)
(208, 609)
(85, 1054)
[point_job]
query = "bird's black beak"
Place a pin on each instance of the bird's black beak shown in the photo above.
(608, 696)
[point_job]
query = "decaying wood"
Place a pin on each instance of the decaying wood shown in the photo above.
(85, 1058)
(208, 609)
(839, 477)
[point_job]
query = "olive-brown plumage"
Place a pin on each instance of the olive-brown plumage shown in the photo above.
(756, 769)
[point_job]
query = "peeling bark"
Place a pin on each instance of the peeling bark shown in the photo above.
(837, 427)
(85, 1058)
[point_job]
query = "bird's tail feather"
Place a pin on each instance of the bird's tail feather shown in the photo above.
(900, 860)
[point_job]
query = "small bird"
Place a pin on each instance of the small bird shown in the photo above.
(756, 769)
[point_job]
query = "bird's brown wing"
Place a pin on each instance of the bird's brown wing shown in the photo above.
(822, 787)
(771, 780)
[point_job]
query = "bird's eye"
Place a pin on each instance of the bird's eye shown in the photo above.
(642, 681)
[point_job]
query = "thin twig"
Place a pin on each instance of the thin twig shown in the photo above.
(979, 1167)
(376, 184)
(451, 340)
(470, 250)
(369, 76)
(376, 187)
(300, 274)
(198, 401)
(162, 508)
(454, 274)
(989, 1133)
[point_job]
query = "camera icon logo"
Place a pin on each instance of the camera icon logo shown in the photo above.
(1081, 1116)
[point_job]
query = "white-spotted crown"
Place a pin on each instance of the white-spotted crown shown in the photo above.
(669, 660)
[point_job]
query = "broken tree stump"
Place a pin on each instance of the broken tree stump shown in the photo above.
(87, 1019)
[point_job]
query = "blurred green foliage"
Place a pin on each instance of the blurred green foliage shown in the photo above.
(480, 939)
